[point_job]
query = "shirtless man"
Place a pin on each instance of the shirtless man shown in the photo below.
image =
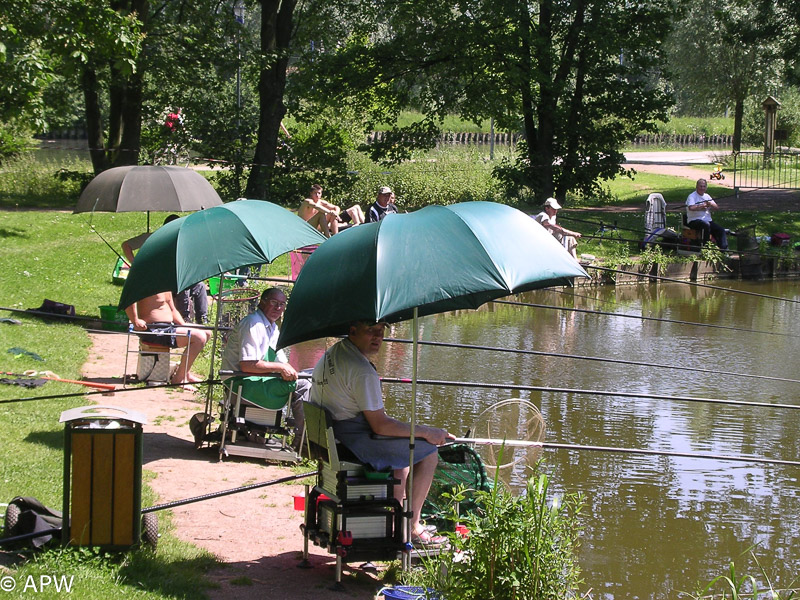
(157, 314)
(324, 216)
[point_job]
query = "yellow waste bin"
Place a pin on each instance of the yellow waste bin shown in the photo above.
(103, 477)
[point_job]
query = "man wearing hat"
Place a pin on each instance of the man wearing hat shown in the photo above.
(547, 219)
(382, 206)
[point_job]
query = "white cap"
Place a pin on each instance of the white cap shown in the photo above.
(552, 203)
(385, 190)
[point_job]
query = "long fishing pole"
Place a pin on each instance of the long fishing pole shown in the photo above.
(244, 488)
(702, 455)
(620, 361)
(91, 226)
(694, 283)
(642, 317)
(539, 388)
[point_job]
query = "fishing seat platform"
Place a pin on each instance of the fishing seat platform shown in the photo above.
(350, 511)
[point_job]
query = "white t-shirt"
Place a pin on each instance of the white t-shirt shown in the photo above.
(543, 218)
(345, 382)
(250, 340)
(693, 215)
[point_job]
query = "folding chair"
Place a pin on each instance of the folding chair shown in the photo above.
(253, 423)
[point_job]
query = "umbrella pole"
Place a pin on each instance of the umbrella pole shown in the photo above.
(412, 421)
(213, 354)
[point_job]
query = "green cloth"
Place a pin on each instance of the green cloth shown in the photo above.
(271, 392)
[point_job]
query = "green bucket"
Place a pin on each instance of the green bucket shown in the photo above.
(213, 284)
(112, 313)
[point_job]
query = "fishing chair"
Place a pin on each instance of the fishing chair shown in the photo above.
(253, 420)
(691, 239)
(155, 363)
(350, 511)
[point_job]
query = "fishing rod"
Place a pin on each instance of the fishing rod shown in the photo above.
(91, 226)
(637, 395)
(105, 392)
(48, 315)
(694, 283)
(244, 488)
(701, 455)
(619, 361)
(642, 317)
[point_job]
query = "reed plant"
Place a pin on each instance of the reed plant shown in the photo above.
(519, 547)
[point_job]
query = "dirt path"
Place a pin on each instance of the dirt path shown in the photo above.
(255, 533)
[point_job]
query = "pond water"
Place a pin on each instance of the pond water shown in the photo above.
(654, 526)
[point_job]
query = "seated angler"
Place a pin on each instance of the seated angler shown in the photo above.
(158, 317)
(251, 350)
(346, 384)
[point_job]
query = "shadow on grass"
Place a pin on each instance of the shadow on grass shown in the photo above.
(51, 439)
(170, 576)
(17, 232)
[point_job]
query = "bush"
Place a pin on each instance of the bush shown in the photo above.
(520, 548)
(13, 142)
(444, 176)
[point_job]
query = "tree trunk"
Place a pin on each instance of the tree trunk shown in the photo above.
(276, 34)
(541, 152)
(131, 121)
(94, 121)
(738, 114)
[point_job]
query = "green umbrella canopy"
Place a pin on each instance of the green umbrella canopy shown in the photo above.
(212, 241)
(437, 259)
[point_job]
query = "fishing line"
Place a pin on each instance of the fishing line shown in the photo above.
(642, 317)
(537, 388)
(619, 361)
(694, 283)
(701, 455)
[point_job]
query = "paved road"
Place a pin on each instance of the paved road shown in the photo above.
(673, 158)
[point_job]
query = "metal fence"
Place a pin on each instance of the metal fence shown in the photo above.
(766, 170)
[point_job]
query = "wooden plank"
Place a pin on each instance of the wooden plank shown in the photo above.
(124, 462)
(80, 514)
(102, 488)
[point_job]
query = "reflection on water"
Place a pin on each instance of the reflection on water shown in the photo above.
(654, 526)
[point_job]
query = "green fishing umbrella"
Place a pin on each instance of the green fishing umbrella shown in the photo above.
(211, 242)
(437, 259)
(434, 260)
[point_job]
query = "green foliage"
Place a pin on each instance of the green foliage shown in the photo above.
(30, 182)
(578, 100)
(520, 547)
(316, 153)
(443, 176)
(14, 140)
(788, 118)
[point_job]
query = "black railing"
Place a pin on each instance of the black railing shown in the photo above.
(766, 170)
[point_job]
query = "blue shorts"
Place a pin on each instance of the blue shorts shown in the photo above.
(380, 453)
(160, 334)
